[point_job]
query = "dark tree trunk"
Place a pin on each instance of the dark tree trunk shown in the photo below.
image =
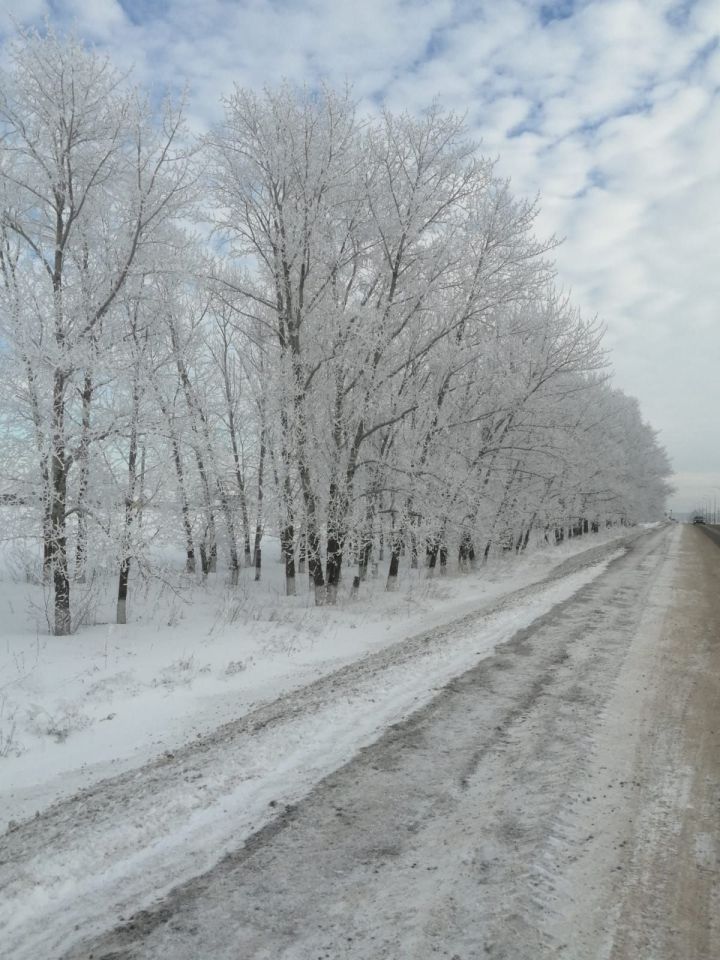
(47, 527)
(204, 559)
(392, 580)
(364, 559)
(287, 537)
(315, 570)
(208, 550)
(232, 540)
(61, 580)
(259, 519)
(130, 498)
(123, 591)
(366, 543)
(58, 514)
(333, 567)
(184, 507)
(314, 557)
(336, 538)
(81, 545)
(302, 552)
(526, 538)
(466, 552)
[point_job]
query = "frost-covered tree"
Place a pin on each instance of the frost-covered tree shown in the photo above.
(89, 177)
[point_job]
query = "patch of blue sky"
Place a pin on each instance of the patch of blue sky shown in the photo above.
(634, 107)
(139, 12)
(531, 122)
(432, 50)
(558, 10)
(679, 14)
(595, 179)
(434, 46)
(701, 57)
(377, 97)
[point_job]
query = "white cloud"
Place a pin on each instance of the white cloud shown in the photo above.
(21, 11)
(97, 20)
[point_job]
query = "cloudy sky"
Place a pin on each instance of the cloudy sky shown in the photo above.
(609, 109)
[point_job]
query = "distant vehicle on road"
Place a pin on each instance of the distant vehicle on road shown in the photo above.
(698, 519)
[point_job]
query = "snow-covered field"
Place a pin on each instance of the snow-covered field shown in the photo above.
(77, 709)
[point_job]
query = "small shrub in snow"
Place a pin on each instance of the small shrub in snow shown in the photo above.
(181, 672)
(9, 745)
(67, 719)
(123, 682)
(232, 612)
(174, 615)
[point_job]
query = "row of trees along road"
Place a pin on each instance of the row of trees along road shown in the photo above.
(341, 327)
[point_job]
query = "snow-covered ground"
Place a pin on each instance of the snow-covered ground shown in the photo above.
(76, 709)
(126, 842)
(88, 863)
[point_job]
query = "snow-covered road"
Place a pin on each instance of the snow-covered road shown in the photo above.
(447, 835)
